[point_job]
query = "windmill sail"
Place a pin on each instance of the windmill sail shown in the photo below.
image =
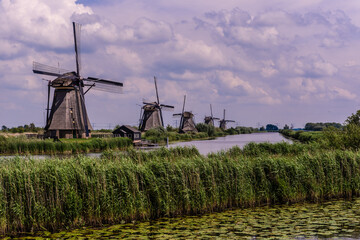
(187, 122)
(210, 119)
(152, 112)
(224, 121)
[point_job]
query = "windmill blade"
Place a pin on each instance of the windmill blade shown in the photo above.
(215, 118)
(229, 120)
(183, 109)
(158, 102)
(167, 107)
(104, 85)
(40, 68)
(84, 110)
(77, 30)
(48, 102)
(211, 111)
(152, 104)
(157, 92)
(177, 114)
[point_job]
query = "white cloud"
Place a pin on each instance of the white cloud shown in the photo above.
(254, 53)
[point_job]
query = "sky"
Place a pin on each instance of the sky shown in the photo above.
(265, 62)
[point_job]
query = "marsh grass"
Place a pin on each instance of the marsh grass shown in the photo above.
(55, 194)
(34, 146)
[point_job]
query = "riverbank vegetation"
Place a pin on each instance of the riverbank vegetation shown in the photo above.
(160, 134)
(54, 194)
(22, 145)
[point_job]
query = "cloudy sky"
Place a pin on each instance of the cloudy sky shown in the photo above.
(279, 61)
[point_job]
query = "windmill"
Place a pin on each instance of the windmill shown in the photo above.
(209, 120)
(152, 113)
(224, 121)
(187, 123)
(67, 117)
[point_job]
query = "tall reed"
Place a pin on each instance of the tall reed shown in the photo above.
(55, 194)
(35, 146)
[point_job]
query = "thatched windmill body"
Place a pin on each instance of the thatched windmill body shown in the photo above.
(67, 117)
(209, 120)
(224, 121)
(152, 116)
(187, 122)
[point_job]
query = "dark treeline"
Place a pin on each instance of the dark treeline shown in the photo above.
(21, 129)
(321, 126)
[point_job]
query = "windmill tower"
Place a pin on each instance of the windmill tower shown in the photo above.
(152, 113)
(224, 121)
(67, 117)
(209, 120)
(187, 123)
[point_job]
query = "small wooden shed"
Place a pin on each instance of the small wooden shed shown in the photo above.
(128, 131)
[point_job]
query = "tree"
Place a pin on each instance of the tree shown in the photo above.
(354, 119)
(32, 127)
(271, 127)
(286, 126)
(4, 128)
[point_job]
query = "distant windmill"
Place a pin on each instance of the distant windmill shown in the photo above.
(152, 115)
(224, 121)
(67, 118)
(187, 123)
(210, 119)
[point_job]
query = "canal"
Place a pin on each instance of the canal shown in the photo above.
(224, 143)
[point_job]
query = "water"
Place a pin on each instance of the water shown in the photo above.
(338, 219)
(224, 143)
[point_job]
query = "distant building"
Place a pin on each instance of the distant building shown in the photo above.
(128, 131)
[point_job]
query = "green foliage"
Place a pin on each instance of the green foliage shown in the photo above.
(156, 134)
(54, 194)
(206, 128)
(302, 136)
(271, 127)
(354, 119)
(347, 138)
(20, 145)
(321, 126)
(171, 129)
(21, 129)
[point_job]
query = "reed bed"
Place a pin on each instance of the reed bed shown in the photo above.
(36, 146)
(56, 194)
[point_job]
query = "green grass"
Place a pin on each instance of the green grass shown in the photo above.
(56, 194)
(303, 136)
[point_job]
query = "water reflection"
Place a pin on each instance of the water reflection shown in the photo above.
(335, 219)
(224, 143)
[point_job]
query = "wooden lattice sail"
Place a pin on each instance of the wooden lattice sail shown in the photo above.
(67, 117)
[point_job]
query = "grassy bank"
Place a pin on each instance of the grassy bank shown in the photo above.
(19, 145)
(302, 136)
(55, 194)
